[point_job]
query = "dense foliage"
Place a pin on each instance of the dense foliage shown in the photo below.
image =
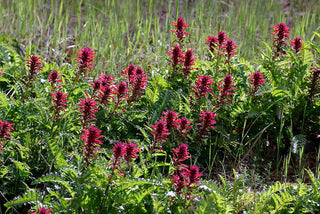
(200, 135)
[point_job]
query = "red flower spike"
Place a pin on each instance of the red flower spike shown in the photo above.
(207, 122)
(181, 154)
(105, 94)
(54, 78)
(180, 26)
(202, 86)
(139, 84)
(91, 136)
(119, 150)
(296, 44)
(171, 119)
(225, 89)
(192, 175)
(257, 80)
(5, 129)
(60, 101)
(105, 80)
(34, 65)
(96, 85)
(179, 183)
(212, 43)
(176, 56)
(131, 151)
(160, 131)
(88, 109)
(188, 62)
(184, 126)
(281, 32)
(222, 37)
(229, 46)
(130, 72)
(85, 59)
(43, 210)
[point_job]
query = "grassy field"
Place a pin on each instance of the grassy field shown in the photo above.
(124, 32)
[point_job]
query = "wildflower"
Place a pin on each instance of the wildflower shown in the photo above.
(179, 183)
(34, 65)
(212, 43)
(85, 59)
(184, 126)
(188, 62)
(131, 151)
(229, 46)
(121, 91)
(87, 108)
(105, 94)
(296, 44)
(281, 32)
(171, 119)
(176, 56)
(60, 101)
(130, 73)
(138, 85)
(43, 210)
(180, 26)
(95, 86)
(54, 78)
(106, 80)
(139, 71)
(222, 37)
(5, 129)
(180, 154)
(121, 94)
(225, 89)
(257, 80)
(202, 86)
(207, 122)
(91, 138)
(192, 175)
(160, 131)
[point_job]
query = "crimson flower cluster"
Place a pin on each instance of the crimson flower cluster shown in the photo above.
(54, 78)
(281, 32)
(137, 82)
(60, 102)
(85, 60)
(188, 62)
(180, 154)
(212, 43)
(222, 37)
(180, 26)
(169, 122)
(43, 210)
(229, 46)
(207, 122)
(88, 109)
(187, 179)
(126, 150)
(296, 44)
(160, 131)
(225, 89)
(5, 129)
(177, 57)
(91, 137)
(202, 87)
(34, 66)
(257, 80)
